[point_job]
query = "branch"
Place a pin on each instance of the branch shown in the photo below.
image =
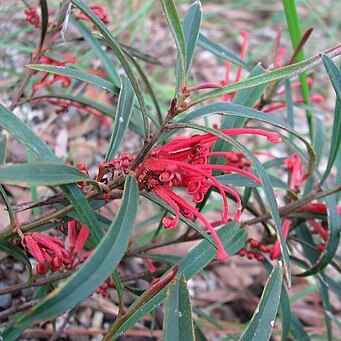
(17, 308)
(290, 208)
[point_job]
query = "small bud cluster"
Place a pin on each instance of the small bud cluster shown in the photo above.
(103, 288)
(250, 254)
(32, 16)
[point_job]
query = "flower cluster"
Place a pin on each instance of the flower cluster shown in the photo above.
(64, 106)
(100, 11)
(297, 179)
(184, 163)
(48, 251)
(65, 81)
(266, 105)
(51, 253)
(32, 16)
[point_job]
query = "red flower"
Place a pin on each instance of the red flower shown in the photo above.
(100, 11)
(32, 16)
(48, 251)
(183, 163)
(51, 253)
(66, 81)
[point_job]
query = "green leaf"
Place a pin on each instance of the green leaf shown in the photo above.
(18, 254)
(77, 99)
(296, 36)
(297, 330)
(41, 174)
(77, 74)
(263, 321)
(233, 239)
(149, 90)
(44, 22)
(113, 43)
(8, 205)
(335, 77)
(324, 294)
(178, 320)
(3, 148)
(171, 14)
(94, 272)
(268, 77)
(96, 47)
(191, 27)
(243, 181)
(219, 51)
(123, 114)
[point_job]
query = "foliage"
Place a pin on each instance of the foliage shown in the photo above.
(205, 183)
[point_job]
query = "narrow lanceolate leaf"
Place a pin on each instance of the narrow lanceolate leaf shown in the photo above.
(35, 174)
(113, 43)
(178, 322)
(191, 27)
(3, 148)
(105, 110)
(44, 22)
(94, 272)
(242, 181)
(335, 77)
(76, 74)
(219, 51)
(11, 213)
(233, 239)
(268, 77)
(263, 321)
(41, 152)
(171, 14)
(123, 114)
(96, 47)
(18, 254)
(296, 36)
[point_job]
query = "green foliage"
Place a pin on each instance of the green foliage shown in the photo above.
(288, 196)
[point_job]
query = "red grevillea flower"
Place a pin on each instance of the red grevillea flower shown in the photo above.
(32, 16)
(64, 106)
(316, 207)
(297, 179)
(48, 251)
(100, 11)
(184, 163)
(65, 81)
(51, 253)
(76, 242)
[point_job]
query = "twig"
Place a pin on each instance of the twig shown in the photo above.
(290, 208)
(17, 308)
(30, 72)
(37, 283)
(59, 276)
